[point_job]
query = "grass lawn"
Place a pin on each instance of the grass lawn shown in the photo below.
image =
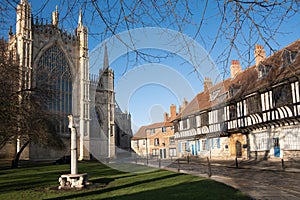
(39, 182)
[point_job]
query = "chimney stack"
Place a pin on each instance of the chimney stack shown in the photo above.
(235, 68)
(173, 111)
(207, 83)
(166, 116)
(259, 53)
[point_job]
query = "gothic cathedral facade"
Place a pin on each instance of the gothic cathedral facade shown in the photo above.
(41, 46)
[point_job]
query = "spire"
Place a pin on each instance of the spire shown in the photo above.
(105, 62)
(23, 2)
(55, 16)
(10, 31)
(80, 18)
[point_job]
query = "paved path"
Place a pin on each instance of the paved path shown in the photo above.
(258, 181)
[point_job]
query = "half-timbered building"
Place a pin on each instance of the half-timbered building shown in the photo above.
(252, 114)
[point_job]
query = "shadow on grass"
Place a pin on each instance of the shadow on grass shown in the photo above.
(42, 176)
(201, 189)
(110, 189)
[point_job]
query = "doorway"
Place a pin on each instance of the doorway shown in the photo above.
(276, 147)
(163, 153)
(194, 150)
(238, 147)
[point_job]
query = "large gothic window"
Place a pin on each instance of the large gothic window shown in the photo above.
(53, 73)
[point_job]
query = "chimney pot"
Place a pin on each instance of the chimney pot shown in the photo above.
(207, 83)
(259, 54)
(235, 68)
(166, 116)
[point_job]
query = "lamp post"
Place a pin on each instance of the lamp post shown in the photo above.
(147, 150)
(73, 125)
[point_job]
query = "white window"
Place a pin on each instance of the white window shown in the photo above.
(198, 120)
(267, 101)
(181, 125)
(172, 152)
(203, 144)
(172, 140)
(136, 143)
(163, 129)
(213, 95)
(155, 152)
(292, 139)
(213, 117)
(260, 141)
(240, 109)
(152, 131)
(184, 124)
(156, 141)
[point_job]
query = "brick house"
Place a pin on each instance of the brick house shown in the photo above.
(157, 140)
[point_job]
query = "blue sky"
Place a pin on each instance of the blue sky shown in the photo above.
(150, 97)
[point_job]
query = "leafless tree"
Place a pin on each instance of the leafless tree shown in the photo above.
(223, 27)
(22, 115)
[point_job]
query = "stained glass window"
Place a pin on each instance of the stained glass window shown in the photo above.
(53, 74)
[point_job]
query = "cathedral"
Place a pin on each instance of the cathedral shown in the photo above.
(40, 46)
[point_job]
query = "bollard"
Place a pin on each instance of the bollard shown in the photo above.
(178, 166)
(282, 164)
(209, 168)
(236, 163)
(188, 159)
(159, 164)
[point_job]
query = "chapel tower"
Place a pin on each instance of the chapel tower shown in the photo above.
(83, 68)
(106, 103)
(23, 43)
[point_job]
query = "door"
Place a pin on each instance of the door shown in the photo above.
(163, 153)
(193, 150)
(238, 147)
(276, 147)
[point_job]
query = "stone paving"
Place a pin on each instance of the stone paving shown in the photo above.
(260, 180)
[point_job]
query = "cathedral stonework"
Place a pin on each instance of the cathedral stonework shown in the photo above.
(42, 47)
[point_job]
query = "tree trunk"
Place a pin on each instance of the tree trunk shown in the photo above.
(15, 161)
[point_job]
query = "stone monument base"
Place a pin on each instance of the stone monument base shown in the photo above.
(73, 181)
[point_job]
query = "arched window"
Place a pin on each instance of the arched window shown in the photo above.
(53, 74)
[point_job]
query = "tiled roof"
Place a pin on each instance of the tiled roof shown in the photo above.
(204, 101)
(246, 82)
(249, 81)
(141, 133)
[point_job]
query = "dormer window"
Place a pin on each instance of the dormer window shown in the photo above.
(288, 57)
(213, 95)
(263, 70)
(233, 89)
